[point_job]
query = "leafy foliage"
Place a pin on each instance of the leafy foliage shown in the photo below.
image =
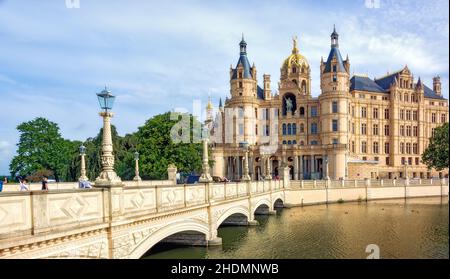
(41, 149)
(436, 154)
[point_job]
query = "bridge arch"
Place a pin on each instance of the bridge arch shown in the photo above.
(239, 210)
(278, 203)
(166, 231)
(263, 206)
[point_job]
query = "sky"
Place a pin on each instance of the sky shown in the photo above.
(157, 56)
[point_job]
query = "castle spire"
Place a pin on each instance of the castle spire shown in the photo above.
(243, 46)
(334, 38)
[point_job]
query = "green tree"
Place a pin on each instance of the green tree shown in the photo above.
(157, 150)
(41, 147)
(436, 154)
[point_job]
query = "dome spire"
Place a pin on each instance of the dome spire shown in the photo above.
(243, 45)
(294, 48)
(334, 37)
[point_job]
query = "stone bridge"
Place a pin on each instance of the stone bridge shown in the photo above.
(126, 221)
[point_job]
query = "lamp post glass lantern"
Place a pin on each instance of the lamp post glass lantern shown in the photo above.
(106, 99)
(108, 176)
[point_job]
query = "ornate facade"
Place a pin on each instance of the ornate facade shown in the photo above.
(356, 128)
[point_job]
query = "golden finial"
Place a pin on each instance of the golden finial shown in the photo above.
(210, 105)
(294, 49)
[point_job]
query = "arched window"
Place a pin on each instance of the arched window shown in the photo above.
(284, 142)
(294, 142)
(302, 128)
(289, 129)
(294, 129)
(294, 70)
(289, 142)
(314, 128)
(314, 142)
(284, 129)
(302, 111)
(304, 87)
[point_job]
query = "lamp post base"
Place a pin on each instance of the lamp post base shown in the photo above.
(108, 178)
(246, 177)
(205, 178)
(137, 178)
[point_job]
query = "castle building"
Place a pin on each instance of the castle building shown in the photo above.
(356, 128)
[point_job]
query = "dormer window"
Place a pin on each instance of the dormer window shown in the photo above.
(240, 75)
(334, 78)
(334, 69)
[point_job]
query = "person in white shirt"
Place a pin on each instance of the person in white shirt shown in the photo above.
(23, 185)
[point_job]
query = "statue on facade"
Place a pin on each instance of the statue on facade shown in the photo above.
(289, 105)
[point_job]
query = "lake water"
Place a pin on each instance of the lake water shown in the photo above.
(415, 228)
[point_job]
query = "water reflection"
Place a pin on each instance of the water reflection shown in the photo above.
(416, 228)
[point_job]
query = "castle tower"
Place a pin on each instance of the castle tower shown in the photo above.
(334, 106)
(437, 85)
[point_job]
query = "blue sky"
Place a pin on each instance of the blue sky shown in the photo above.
(157, 56)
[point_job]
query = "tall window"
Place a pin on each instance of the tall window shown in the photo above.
(294, 129)
(241, 112)
(408, 148)
(241, 129)
(408, 131)
(386, 147)
(363, 147)
(375, 147)
(240, 84)
(256, 129)
(363, 112)
(402, 148)
(408, 114)
(443, 118)
(302, 111)
(335, 125)
(353, 111)
(313, 111)
(284, 129)
(375, 113)
(417, 161)
(415, 131)
(415, 148)
(267, 130)
(363, 128)
(402, 130)
(334, 107)
(433, 117)
(414, 115)
(375, 129)
(334, 78)
(314, 142)
(353, 128)
(387, 161)
(314, 128)
(289, 129)
(402, 114)
(353, 146)
(386, 130)
(386, 113)
(302, 128)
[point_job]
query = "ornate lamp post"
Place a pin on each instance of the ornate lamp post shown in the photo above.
(108, 176)
(327, 177)
(246, 176)
(205, 177)
(83, 176)
(136, 170)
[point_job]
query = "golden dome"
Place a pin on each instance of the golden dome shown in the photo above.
(295, 58)
(210, 105)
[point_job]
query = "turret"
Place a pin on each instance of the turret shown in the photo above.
(437, 85)
(267, 91)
